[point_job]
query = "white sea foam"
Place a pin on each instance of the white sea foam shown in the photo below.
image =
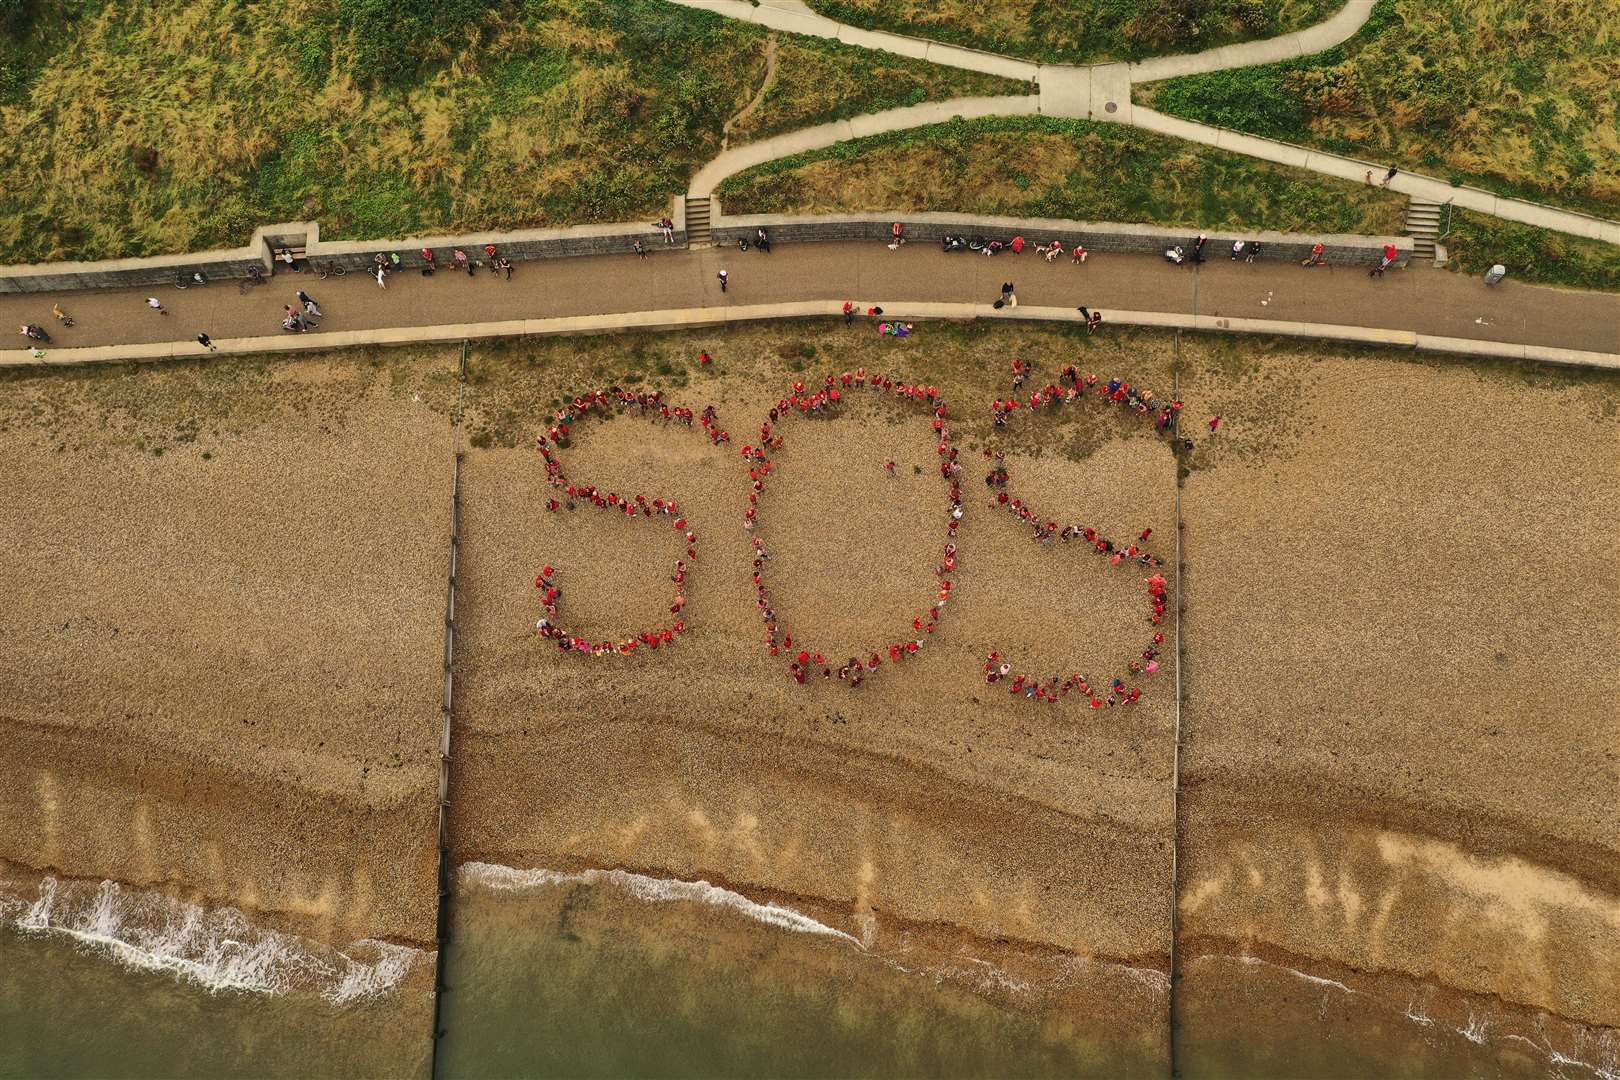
(1478, 1031)
(651, 890)
(1317, 979)
(217, 949)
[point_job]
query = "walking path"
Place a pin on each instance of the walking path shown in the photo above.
(740, 158)
(1421, 308)
(1103, 92)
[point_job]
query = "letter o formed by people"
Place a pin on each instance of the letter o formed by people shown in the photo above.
(828, 400)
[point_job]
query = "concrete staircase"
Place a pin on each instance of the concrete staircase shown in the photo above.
(697, 221)
(1423, 226)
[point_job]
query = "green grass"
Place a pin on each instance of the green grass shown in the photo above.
(1477, 241)
(1082, 31)
(1522, 99)
(1044, 167)
(154, 126)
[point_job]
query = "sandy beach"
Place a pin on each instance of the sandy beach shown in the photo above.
(1398, 736)
(219, 647)
(1400, 727)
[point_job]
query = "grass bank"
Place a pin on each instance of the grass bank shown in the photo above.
(1046, 167)
(1476, 241)
(158, 126)
(1520, 99)
(1083, 31)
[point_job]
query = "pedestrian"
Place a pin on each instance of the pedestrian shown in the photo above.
(849, 313)
(725, 279)
(1368, 181)
(705, 359)
(1237, 250)
(896, 233)
(1315, 257)
(382, 272)
(667, 227)
(639, 249)
(1079, 255)
(1252, 251)
(1389, 176)
(156, 305)
(888, 467)
(207, 342)
(1198, 248)
(61, 316)
(309, 304)
(1008, 296)
(1093, 321)
(506, 264)
(1214, 422)
(1145, 534)
(762, 240)
(874, 312)
(428, 265)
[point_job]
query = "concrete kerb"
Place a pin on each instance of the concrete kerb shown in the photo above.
(678, 319)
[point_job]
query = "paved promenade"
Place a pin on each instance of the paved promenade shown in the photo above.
(618, 289)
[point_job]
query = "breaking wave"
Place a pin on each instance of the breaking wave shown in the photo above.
(217, 949)
(651, 890)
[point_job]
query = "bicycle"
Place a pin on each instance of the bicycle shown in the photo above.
(255, 276)
(331, 269)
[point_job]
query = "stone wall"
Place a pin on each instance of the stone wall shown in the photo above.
(357, 255)
(527, 244)
(1096, 236)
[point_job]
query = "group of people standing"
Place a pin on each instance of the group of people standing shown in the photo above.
(808, 400)
(605, 402)
(806, 661)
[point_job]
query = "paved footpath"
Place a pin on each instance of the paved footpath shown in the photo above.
(1102, 92)
(1419, 300)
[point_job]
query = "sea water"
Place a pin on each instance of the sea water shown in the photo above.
(100, 980)
(606, 973)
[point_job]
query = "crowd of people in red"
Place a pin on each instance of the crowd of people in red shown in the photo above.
(1072, 387)
(1044, 530)
(806, 660)
(603, 403)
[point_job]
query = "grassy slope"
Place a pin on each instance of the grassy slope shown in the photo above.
(1520, 98)
(1082, 31)
(1045, 167)
(553, 111)
(1531, 254)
